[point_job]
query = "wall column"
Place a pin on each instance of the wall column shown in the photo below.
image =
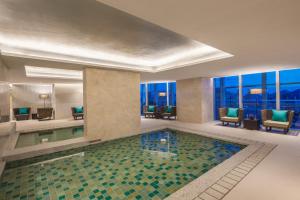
(195, 100)
(111, 103)
(277, 90)
(240, 92)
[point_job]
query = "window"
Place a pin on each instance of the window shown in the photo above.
(290, 93)
(157, 94)
(259, 92)
(142, 96)
(172, 93)
(226, 91)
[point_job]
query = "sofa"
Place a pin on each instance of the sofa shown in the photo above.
(277, 119)
(231, 115)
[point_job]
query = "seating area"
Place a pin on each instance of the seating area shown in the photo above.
(163, 112)
(43, 114)
(280, 119)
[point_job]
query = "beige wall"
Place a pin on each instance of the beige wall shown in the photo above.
(67, 96)
(4, 101)
(112, 103)
(27, 95)
(3, 71)
(194, 100)
(207, 99)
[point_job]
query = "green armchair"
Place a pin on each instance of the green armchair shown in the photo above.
(22, 113)
(231, 115)
(150, 111)
(281, 120)
(77, 112)
(168, 111)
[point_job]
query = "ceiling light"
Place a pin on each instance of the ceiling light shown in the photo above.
(44, 72)
(198, 53)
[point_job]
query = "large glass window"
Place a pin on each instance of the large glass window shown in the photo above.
(142, 96)
(259, 92)
(226, 91)
(157, 94)
(172, 93)
(290, 93)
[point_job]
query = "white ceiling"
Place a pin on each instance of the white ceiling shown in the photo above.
(262, 35)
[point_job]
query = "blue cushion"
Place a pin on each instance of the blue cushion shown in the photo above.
(279, 115)
(232, 112)
(150, 108)
(79, 109)
(168, 109)
(23, 111)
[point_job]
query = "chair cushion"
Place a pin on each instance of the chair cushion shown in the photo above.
(230, 119)
(150, 108)
(276, 124)
(232, 112)
(23, 111)
(279, 115)
(79, 109)
(168, 109)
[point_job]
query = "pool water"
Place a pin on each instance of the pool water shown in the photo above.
(33, 138)
(147, 166)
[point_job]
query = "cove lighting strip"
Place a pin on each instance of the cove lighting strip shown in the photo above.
(44, 72)
(26, 48)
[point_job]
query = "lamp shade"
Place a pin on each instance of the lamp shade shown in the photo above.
(256, 91)
(44, 96)
(162, 94)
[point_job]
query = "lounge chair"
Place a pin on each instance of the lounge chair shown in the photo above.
(22, 113)
(150, 111)
(231, 115)
(44, 113)
(77, 112)
(277, 119)
(168, 111)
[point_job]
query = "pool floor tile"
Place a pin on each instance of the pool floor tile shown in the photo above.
(138, 167)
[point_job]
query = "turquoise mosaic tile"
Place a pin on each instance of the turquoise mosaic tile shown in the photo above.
(148, 166)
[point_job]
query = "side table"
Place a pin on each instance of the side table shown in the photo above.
(252, 124)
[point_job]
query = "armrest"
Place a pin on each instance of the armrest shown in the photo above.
(264, 115)
(222, 112)
(291, 116)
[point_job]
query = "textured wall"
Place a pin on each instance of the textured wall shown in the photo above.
(112, 103)
(2, 71)
(194, 100)
(27, 95)
(67, 96)
(207, 99)
(4, 101)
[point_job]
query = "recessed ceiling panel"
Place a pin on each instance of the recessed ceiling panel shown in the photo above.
(91, 33)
